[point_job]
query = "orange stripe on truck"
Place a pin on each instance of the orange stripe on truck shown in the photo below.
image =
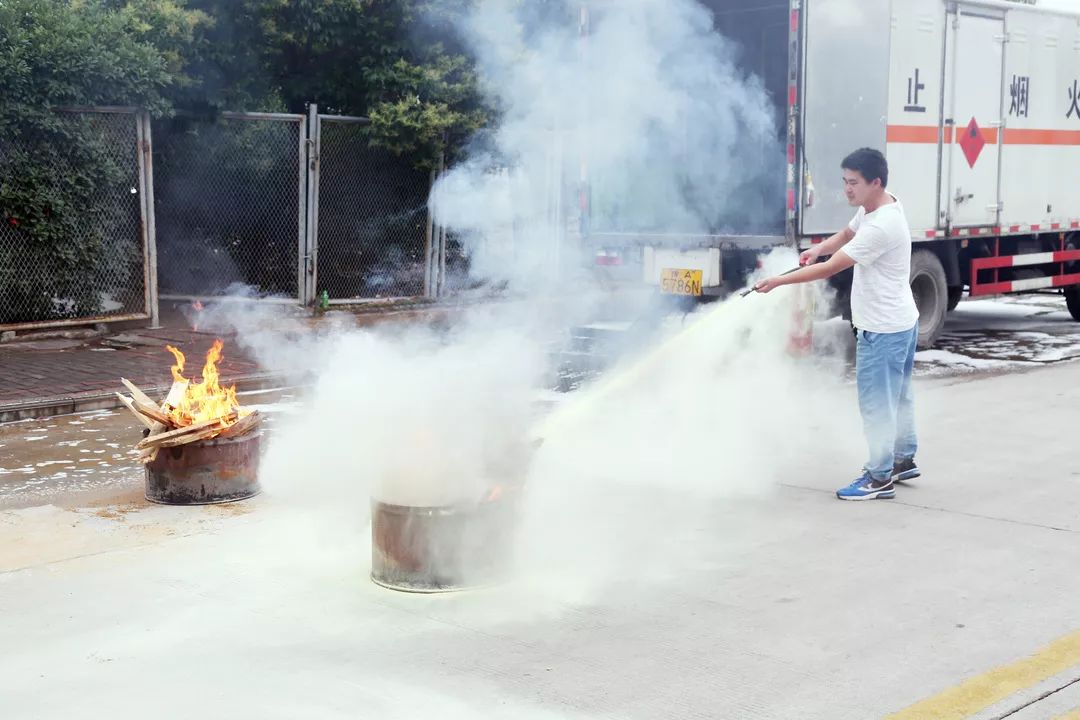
(914, 134)
(1015, 136)
(928, 134)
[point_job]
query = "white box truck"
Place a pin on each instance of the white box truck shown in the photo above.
(976, 105)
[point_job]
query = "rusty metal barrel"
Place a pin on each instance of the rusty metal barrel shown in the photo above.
(205, 472)
(441, 549)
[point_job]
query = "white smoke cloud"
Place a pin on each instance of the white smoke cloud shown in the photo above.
(628, 468)
(719, 411)
(414, 418)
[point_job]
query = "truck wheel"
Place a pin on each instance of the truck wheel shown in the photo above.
(955, 293)
(928, 285)
(1072, 299)
(1072, 293)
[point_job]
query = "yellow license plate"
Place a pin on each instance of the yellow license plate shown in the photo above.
(680, 282)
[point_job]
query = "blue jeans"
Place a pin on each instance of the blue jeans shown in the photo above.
(883, 363)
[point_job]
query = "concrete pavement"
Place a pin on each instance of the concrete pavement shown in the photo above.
(957, 599)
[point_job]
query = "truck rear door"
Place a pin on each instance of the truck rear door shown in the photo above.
(845, 85)
(973, 116)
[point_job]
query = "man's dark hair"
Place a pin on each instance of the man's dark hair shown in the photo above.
(869, 163)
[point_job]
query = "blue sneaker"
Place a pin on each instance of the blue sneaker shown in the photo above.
(867, 488)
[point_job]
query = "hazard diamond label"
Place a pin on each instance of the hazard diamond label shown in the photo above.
(972, 142)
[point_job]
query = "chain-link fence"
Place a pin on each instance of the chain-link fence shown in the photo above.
(229, 204)
(372, 235)
(93, 223)
(72, 242)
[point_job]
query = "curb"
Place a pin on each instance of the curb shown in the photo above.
(98, 400)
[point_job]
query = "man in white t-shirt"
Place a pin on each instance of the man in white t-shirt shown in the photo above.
(877, 243)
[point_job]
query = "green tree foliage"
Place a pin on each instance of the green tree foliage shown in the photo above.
(394, 61)
(223, 62)
(55, 53)
(62, 189)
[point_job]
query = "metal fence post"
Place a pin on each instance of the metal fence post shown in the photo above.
(311, 252)
(441, 288)
(429, 228)
(440, 280)
(146, 208)
(305, 186)
(302, 205)
(439, 264)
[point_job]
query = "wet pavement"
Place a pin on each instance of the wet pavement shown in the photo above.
(68, 456)
(1002, 334)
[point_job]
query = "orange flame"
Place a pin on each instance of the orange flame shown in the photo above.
(206, 400)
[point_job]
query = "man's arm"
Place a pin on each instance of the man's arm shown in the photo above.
(828, 247)
(838, 262)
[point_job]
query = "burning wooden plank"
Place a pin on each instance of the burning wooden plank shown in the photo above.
(243, 425)
(136, 393)
(130, 405)
(209, 432)
(152, 412)
(175, 398)
(188, 433)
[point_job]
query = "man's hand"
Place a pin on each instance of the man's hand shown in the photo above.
(809, 257)
(767, 285)
(840, 260)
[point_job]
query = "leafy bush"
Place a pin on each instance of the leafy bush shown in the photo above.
(65, 191)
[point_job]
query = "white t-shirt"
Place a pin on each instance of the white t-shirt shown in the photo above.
(881, 300)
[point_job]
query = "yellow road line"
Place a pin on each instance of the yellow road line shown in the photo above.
(1071, 715)
(982, 691)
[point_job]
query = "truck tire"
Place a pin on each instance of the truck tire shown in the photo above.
(1072, 300)
(1072, 292)
(928, 285)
